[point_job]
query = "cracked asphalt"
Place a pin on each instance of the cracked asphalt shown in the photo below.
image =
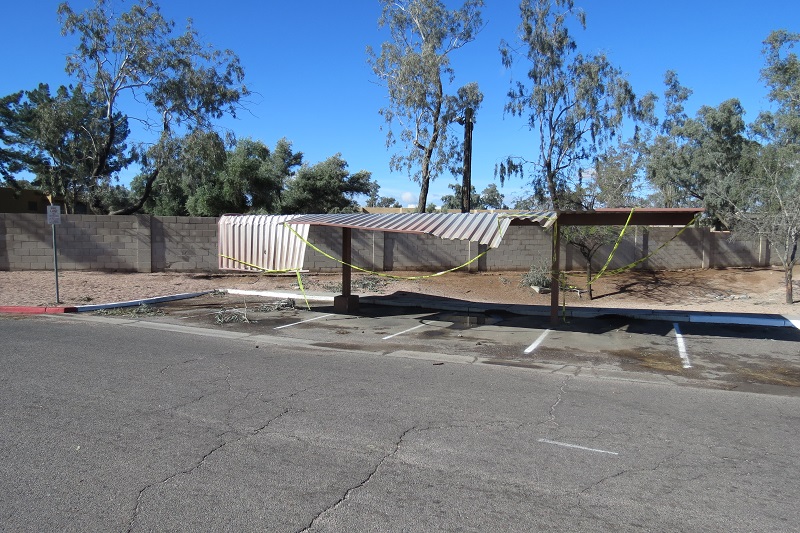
(118, 424)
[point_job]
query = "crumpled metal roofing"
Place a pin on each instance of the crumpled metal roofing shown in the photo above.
(483, 228)
(254, 243)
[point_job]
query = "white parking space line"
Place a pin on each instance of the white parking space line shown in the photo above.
(575, 446)
(681, 346)
(538, 341)
(304, 321)
(405, 331)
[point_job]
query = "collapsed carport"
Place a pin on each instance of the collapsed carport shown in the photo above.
(485, 229)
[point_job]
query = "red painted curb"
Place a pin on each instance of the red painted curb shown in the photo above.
(35, 310)
(55, 310)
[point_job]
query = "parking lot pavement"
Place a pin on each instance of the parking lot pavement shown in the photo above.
(728, 356)
(161, 422)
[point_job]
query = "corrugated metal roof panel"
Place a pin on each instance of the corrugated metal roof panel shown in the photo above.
(543, 218)
(483, 228)
(261, 241)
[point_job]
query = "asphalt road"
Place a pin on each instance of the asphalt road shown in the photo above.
(128, 425)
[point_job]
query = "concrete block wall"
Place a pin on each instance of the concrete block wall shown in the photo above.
(144, 243)
(427, 253)
(684, 251)
(387, 251)
(635, 245)
(25, 243)
(138, 243)
(724, 252)
(184, 244)
(366, 248)
(85, 242)
(694, 248)
(522, 246)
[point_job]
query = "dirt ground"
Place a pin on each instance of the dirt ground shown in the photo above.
(727, 290)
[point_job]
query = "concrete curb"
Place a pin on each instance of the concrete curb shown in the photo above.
(133, 303)
(743, 319)
(35, 310)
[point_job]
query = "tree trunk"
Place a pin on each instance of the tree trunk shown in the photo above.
(551, 186)
(423, 194)
(589, 278)
(425, 178)
(792, 259)
(148, 188)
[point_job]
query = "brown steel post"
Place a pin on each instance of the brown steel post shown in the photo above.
(554, 272)
(347, 258)
(346, 302)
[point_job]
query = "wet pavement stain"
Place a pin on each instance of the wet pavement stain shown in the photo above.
(667, 363)
(786, 377)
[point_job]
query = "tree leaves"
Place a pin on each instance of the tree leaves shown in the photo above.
(186, 84)
(415, 67)
(326, 187)
(575, 102)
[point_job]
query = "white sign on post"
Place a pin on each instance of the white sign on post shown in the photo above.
(53, 218)
(54, 214)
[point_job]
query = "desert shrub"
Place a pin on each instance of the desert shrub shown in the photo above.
(538, 275)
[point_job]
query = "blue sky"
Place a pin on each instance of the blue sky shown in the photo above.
(306, 63)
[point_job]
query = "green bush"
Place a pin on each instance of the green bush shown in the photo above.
(538, 275)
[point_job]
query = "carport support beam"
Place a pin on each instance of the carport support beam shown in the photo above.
(555, 268)
(346, 302)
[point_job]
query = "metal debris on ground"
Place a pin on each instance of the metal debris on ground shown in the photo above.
(364, 283)
(139, 310)
(225, 316)
(370, 283)
(281, 305)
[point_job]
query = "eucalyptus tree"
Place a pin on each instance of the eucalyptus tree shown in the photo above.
(612, 182)
(766, 198)
(489, 198)
(454, 201)
(701, 157)
(258, 175)
(667, 165)
(375, 200)
(176, 83)
(326, 187)
(202, 176)
(416, 69)
(619, 175)
(574, 102)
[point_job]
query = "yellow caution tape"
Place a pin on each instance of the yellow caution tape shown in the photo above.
(643, 259)
(614, 249)
(355, 267)
(268, 271)
(262, 269)
(383, 274)
(392, 276)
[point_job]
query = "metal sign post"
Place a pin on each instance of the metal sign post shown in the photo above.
(54, 218)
